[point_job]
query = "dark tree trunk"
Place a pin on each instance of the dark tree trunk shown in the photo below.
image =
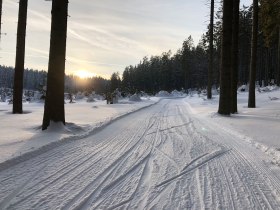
(252, 83)
(210, 65)
(278, 58)
(20, 53)
(54, 104)
(234, 57)
(225, 75)
(1, 3)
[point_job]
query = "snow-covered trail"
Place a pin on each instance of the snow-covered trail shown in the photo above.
(162, 157)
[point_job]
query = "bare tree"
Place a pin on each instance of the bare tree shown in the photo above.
(54, 103)
(20, 54)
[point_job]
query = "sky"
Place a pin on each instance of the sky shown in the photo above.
(105, 36)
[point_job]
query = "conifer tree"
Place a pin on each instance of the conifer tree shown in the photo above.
(1, 3)
(225, 75)
(210, 65)
(253, 63)
(20, 54)
(54, 103)
(234, 57)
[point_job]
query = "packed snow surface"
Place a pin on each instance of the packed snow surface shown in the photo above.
(20, 134)
(175, 154)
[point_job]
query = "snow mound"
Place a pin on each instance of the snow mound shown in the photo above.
(135, 97)
(90, 98)
(176, 93)
(268, 88)
(163, 93)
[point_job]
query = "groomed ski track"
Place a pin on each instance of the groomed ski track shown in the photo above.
(161, 157)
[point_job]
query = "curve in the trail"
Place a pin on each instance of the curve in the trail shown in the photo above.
(161, 157)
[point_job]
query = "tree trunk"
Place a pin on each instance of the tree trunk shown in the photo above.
(210, 65)
(20, 54)
(1, 3)
(253, 64)
(234, 57)
(278, 70)
(225, 75)
(54, 104)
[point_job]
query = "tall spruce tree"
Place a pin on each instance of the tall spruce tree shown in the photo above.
(210, 64)
(234, 56)
(54, 103)
(253, 63)
(20, 54)
(225, 74)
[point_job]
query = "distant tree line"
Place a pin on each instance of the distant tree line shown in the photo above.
(188, 67)
(36, 80)
(185, 69)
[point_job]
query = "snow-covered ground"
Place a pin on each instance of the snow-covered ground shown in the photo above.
(259, 126)
(20, 134)
(176, 154)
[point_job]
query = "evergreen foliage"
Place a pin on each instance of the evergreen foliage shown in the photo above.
(36, 80)
(185, 69)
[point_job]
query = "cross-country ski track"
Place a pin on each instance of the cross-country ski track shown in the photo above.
(161, 157)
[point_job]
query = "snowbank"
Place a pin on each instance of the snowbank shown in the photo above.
(258, 127)
(163, 93)
(21, 134)
(135, 97)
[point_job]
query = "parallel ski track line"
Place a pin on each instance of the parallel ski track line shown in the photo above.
(164, 158)
(116, 164)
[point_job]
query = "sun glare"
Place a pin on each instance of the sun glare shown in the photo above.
(84, 74)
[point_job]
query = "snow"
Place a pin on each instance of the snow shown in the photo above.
(135, 97)
(175, 154)
(20, 134)
(258, 126)
(162, 93)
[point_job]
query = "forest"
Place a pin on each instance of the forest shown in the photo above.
(188, 67)
(241, 46)
(37, 80)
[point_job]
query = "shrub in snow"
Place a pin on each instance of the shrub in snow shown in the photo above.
(176, 93)
(79, 96)
(215, 91)
(96, 96)
(162, 93)
(268, 88)
(90, 98)
(135, 97)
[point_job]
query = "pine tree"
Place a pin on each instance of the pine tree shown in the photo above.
(225, 75)
(270, 26)
(253, 63)
(54, 103)
(1, 3)
(234, 56)
(210, 65)
(20, 54)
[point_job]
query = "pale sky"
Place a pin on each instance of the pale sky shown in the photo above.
(105, 36)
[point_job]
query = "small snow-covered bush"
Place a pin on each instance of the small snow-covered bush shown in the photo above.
(79, 96)
(162, 93)
(90, 98)
(176, 93)
(135, 97)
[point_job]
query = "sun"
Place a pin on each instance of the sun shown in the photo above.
(83, 74)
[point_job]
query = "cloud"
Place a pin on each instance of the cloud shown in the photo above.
(105, 36)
